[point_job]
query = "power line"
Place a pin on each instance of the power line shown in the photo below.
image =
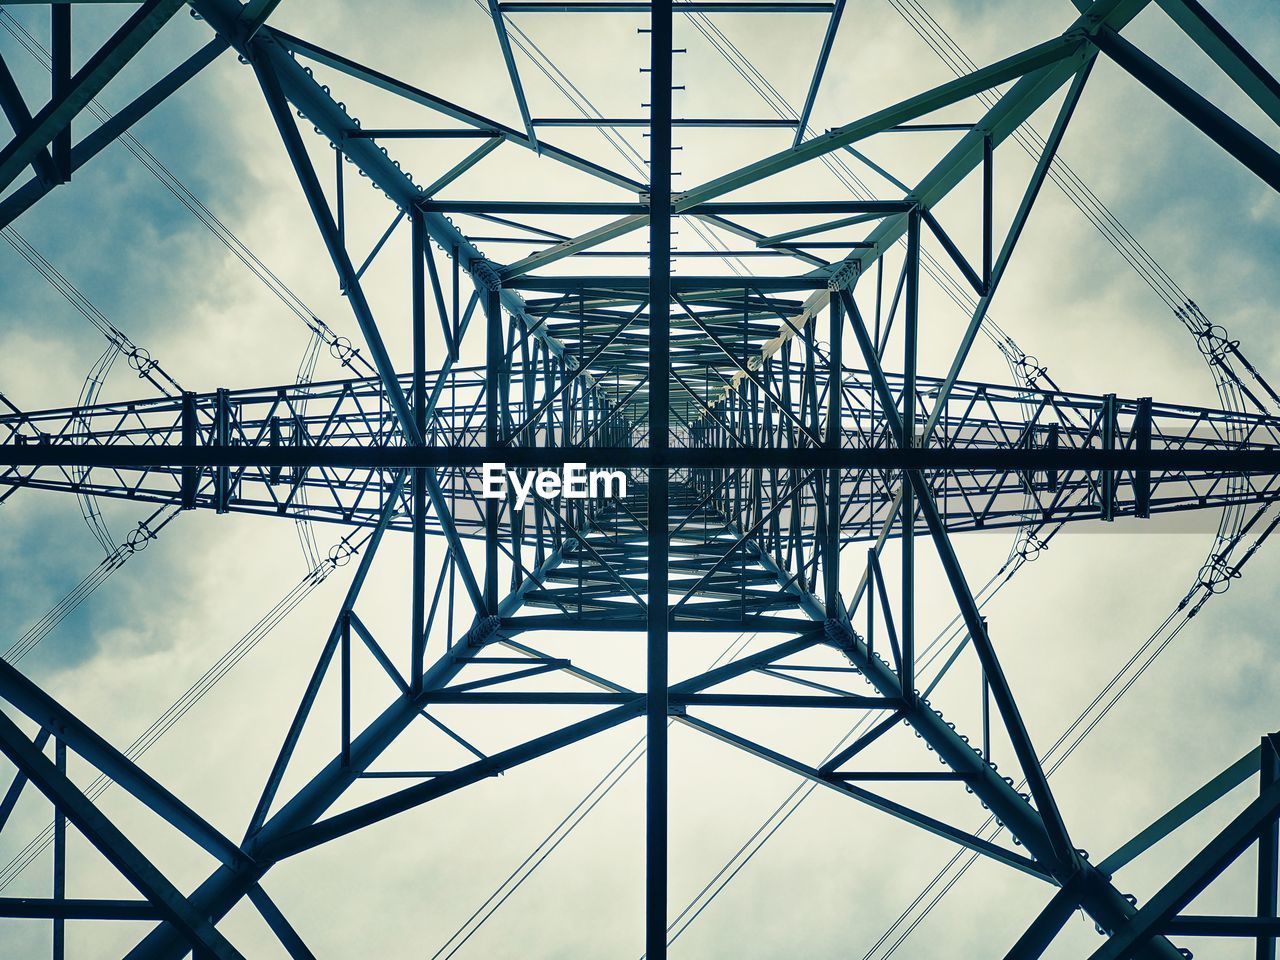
(146, 531)
(339, 554)
(340, 348)
(1206, 586)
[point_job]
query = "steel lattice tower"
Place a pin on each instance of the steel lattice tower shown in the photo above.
(771, 453)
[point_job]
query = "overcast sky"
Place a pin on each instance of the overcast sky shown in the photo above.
(834, 877)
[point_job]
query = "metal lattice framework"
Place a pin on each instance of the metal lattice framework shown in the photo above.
(771, 452)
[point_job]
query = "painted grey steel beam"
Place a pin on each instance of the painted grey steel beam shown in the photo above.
(1227, 52)
(279, 924)
(1227, 133)
(1197, 802)
(60, 67)
(112, 844)
(494, 394)
(1268, 851)
(574, 245)
(657, 613)
(328, 228)
(884, 804)
(419, 250)
(16, 112)
(423, 133)
(706, 286)
(399, 87)
(1192, 925)
(80, 737)
(787, 701)
(513, 72)
(87, 83)
(809, 231)
(32, 908)
(907, 437)
(462, 166)
(706, 122)
(679, 6)
(819, 68)
(1260, 460)
(21, 199)
(1200, 871)
(712, 212)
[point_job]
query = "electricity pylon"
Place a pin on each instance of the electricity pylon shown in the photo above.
(762, 426)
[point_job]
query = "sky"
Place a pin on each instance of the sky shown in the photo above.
(836, 874)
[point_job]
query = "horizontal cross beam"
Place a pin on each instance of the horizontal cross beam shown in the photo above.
(1220, 461)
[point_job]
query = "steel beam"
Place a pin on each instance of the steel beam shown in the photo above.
(1220, 852)
(883, 804)
(112, 844)
(1227, 133)
(1014, 107)
(16, 112)
(819, 68)
(500, 26)
(87, 83)
(418, 612)
(21, 199)
(1228, 53)
(1092, 889)
(1268, 848)
(31, 908)
(302, 166)
(1245, 460)
(80, 737)
(657, 602)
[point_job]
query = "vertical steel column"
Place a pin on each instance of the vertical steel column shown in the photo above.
(222, 437)
(60, 857)
(986, 718)
(493, 383)
(871, 601)
(831, 562)
(190, 474)
(275, 439)
(911, 321)
(1268, 854)
(1142, 443)
(660, 82)
(988, 185)
(1107, 484)
(345, 692)
(61, 66)
(417, 620)
(340, 201)
(1052, 443)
